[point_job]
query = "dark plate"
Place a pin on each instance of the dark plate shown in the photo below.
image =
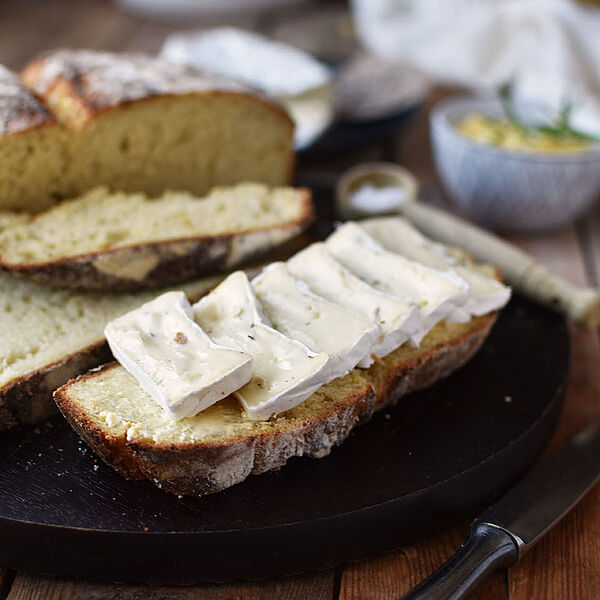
(437, 455)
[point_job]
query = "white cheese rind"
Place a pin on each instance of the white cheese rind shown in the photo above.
(284, 372)
(438, 294)
(320, 324)
(397, 235)
(173, 359)
(399, 320)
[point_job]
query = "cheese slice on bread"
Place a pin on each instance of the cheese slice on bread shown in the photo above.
(118, 241)
(173, 358)
(223, 444)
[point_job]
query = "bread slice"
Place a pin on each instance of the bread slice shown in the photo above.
(119, 241)
(49, 336)
(220, 446)
(135, 123)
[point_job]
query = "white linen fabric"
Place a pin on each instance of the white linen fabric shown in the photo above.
(548, 49)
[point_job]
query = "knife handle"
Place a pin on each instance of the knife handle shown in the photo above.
(487, 549)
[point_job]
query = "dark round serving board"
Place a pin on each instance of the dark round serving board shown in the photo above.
(438, 454)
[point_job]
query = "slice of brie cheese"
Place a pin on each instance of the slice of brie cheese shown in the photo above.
(173, 359)
(284, 371)
(436, 293)
(397, 235)
(325, 276)
(322, 325)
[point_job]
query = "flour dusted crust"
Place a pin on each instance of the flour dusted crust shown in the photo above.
(208, 467)
(90, 81)
(19, 109)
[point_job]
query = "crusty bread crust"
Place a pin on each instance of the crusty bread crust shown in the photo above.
(204, 468)
(91, 82)
(28, 399)
(159, 264)
(19, 109)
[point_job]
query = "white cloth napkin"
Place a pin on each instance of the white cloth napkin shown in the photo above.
(549, 49)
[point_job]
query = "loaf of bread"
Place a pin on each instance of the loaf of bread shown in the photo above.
(120, 241)
(49, 336)
(134, 123)
(221, 446)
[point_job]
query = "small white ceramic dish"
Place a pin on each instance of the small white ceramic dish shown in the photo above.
(505, 189)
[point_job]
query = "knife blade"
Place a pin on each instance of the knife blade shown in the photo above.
(512, 525)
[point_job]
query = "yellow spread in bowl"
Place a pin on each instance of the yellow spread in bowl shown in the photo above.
(510, 136)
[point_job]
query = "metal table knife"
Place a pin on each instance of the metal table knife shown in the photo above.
(511, 526)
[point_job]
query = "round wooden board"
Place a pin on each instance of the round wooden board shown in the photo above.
(437, 455)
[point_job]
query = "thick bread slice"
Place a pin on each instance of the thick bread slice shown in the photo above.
(119, 241)
(221, 447)
(49, 336)
(139, 123)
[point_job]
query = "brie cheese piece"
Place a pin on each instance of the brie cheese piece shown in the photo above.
(436, 293)
(173, 359)
(284, 371)
(325, 276)
(397, 235)
(322, 325)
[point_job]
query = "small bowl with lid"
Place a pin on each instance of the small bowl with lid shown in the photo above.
(510, 189)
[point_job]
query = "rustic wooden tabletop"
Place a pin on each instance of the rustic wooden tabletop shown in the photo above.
(566, 564)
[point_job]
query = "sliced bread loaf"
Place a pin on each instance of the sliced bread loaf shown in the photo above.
(120, 241)
(135, 123)
(49, 336)
(220, 447)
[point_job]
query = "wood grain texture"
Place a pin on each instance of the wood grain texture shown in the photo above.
(389, 577)
(566, 564)
(316, 586)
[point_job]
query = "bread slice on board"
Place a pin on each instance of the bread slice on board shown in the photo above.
(49, 336)
(133, 122)
(122, 242)
(220, 446)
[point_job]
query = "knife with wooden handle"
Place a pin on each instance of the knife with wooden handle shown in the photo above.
(513, 524)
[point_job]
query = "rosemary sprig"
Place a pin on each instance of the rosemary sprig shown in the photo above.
(560, 128)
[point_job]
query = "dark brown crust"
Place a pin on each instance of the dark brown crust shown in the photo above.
(198, 469)
(27, 400)
(174, 261)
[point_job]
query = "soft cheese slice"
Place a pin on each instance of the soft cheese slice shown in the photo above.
(397, 235)
(173, 359)
(437, 293)
(284, 371)
(320, 324)
(399, 320)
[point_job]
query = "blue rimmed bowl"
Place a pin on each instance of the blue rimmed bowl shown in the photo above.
(510, 190)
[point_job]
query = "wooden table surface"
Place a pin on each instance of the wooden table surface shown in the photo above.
(566, 564)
